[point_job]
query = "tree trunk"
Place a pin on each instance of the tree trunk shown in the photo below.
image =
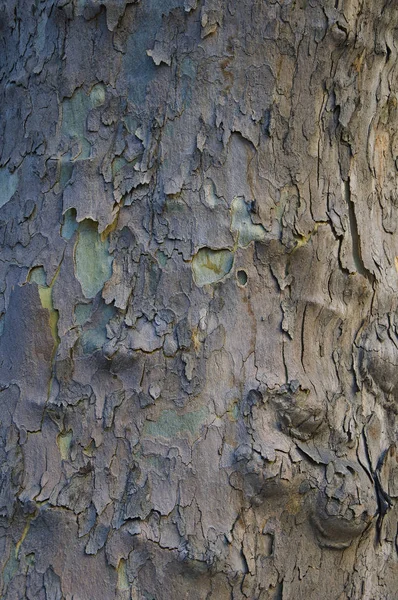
(199, 288)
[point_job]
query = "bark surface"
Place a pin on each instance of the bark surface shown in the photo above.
(198, 299)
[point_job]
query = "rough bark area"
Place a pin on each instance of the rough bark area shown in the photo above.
(199, 347)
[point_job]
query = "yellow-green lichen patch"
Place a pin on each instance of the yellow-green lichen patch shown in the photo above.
(170, 424)
(97, 95)
(233, 411)
(8, 185)
(23, 536)
(64, 441)
(38, 275)
(242, 224)
(210, 195)
(210, 266)
(122, 579)
(93, 263)
(46, 299)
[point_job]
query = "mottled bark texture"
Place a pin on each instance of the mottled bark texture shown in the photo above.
(199, 289)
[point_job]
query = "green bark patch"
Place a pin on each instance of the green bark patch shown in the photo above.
(93, 263)
(83, 313)
(242, 224)
(94, 335)
(8, 185)
(210, 266)
(70, 224)
(74, 116)
(170, 424)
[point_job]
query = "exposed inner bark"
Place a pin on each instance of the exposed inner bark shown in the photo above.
(198, 301)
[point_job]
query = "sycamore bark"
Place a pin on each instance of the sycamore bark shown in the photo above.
(198, 299)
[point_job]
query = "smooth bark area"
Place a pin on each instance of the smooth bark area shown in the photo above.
(198, 299)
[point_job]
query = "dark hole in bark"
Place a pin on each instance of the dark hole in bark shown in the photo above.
(241, 276)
